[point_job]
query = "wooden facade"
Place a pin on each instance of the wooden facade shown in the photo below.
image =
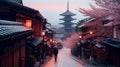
(100, 54)
(113, 49)
(18, 52)
(14, 55)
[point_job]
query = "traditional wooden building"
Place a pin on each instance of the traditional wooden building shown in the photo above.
(31, 18)
(100, 53)
(14, 10)
(13, 44)
(113, 49)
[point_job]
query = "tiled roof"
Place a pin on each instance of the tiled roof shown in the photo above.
(21, 9)
(34, 41)
(12, 29)
(15, 5)
(112, 42)
(4, 22)
(70, 18)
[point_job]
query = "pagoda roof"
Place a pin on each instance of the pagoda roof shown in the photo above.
(67, 18)
(67, 23)
(66, 13)
(67, 27)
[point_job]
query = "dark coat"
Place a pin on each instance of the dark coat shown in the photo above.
(55, 51)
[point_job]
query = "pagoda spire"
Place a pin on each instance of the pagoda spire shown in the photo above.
(67, 5)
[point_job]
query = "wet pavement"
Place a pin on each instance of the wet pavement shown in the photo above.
(66, 60)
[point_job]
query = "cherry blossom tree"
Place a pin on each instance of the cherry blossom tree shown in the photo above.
(99, 31)
(107, 8)
(95, 12)
(113, 6)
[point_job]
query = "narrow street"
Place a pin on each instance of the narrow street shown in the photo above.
(65, 60)
(60, 33)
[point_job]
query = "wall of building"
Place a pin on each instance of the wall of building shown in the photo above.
(117, 32)
(14, 53)
(37, 27)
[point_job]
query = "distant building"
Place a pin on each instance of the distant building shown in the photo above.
(68, 29)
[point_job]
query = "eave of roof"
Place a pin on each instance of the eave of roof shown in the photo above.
(21, 9)
(9, 29)
(5, 22)
(112, 42)
(67, 13)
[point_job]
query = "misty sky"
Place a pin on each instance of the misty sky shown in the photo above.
(51, 9)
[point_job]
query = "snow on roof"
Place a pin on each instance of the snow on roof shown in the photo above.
(92, 19)
(9, 29)
(6, 30)
(81, 25)
(5, 22)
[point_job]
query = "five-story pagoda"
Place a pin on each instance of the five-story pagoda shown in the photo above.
(68, 29)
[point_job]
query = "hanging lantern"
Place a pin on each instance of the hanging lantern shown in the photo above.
(43, 33)
(90, 32)
(50, 40)
(28, 23)
(80, 36)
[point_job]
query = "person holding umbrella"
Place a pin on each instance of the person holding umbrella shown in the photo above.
(55, 52)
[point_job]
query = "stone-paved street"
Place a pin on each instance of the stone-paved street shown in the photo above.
(66, 60)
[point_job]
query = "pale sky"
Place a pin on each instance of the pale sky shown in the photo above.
(51, 9)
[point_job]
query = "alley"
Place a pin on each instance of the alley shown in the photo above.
(65, 60)
(86, 32)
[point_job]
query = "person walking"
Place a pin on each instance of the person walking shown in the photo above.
(55, 52)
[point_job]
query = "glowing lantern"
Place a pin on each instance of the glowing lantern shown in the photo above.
(53, 41)
(50, 40)
(91, 32)
(43, 33)
(28, 23)
(80, 36)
